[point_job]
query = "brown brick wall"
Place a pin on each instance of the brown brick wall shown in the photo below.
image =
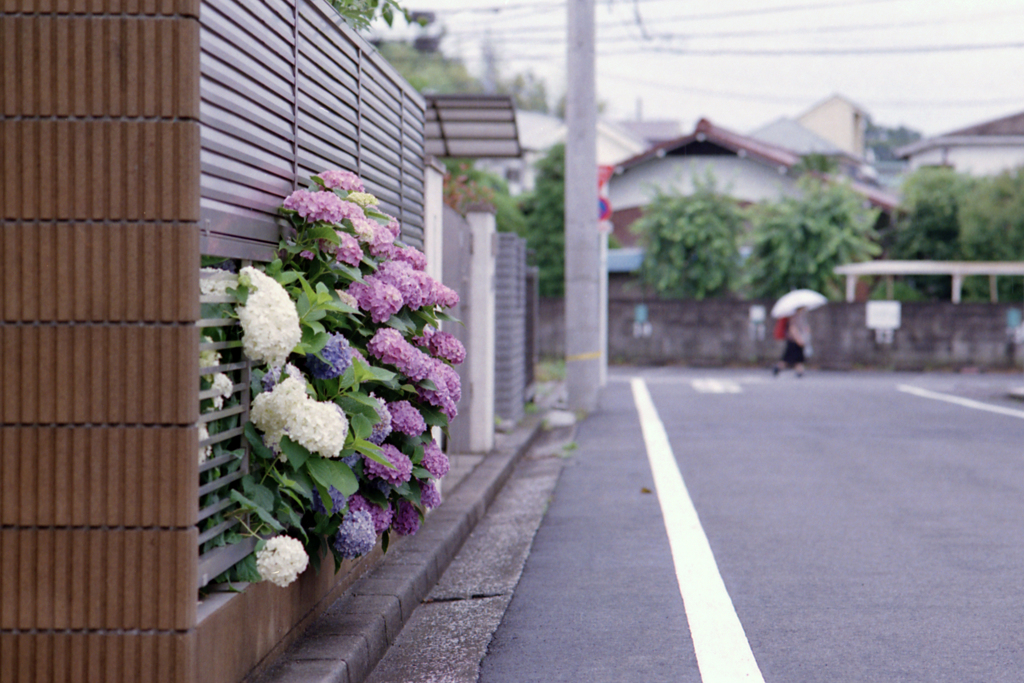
(99, 250)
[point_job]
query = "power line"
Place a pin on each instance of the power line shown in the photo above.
(821, 52)
(807, 30)
(796, 99)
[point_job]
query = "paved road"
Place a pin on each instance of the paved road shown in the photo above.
(852, 527)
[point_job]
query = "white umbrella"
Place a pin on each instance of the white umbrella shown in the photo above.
(798, 298)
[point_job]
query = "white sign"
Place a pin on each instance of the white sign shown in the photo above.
(883, 315)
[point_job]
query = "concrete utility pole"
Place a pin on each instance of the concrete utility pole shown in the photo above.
(583, 349)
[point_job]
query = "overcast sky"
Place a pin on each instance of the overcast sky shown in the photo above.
(933, 65)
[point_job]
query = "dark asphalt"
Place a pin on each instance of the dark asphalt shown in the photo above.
(864, 534)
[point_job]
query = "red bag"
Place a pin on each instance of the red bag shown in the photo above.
(781, 328)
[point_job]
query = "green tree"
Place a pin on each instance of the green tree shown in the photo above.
(691, 241)
(992, 229)
(544, 228)
(464, 184)
(929, 227)
(429, 71)
(361, 13)
(797, 241)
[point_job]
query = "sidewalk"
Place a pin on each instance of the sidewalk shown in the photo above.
(345, 643)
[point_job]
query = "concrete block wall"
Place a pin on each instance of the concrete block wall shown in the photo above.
(99, 245)
(510, 327)
(718, 332)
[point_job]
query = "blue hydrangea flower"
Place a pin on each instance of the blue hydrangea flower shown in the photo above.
(356, 535)
(337, 357)
(337, 501)
(351, 460)
(383, 426)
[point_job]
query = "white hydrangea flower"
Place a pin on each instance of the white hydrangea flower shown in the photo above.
(204, 451)
(363, 199)
(216, 281)
(281, 560)
(208, 358)
(224, 387)
(320, 427)
(270, 323)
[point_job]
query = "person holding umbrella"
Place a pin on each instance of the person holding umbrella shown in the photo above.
(794, 306)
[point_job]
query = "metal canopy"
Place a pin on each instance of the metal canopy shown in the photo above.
(471, 126)
(957, 269)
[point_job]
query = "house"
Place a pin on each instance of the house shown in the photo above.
(652, 131)
(987, 148)
(746, 168)
(839, 121)
(792, 135)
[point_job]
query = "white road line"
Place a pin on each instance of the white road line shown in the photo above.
(965, 402)
(716, 386)
(723, 653)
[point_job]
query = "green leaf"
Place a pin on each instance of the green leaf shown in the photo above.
(241, 294)
(250, 506)
(421, 473)
(322, 232)
(361, 425)
(402, 324)
(297, 454)
(332, 473)
(258, 447)
(258, 493)
(312, 342)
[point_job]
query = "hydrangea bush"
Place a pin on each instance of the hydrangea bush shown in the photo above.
(350, 374)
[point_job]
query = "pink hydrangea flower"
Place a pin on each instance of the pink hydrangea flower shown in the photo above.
(341, 180)
(349, 250)
(446, 346)
(411, 255)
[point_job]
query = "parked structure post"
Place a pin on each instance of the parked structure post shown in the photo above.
(583, 354)
(480, 356)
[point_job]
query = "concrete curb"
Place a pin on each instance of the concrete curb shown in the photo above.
(348, 640)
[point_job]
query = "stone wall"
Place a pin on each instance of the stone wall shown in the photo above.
(718, 332)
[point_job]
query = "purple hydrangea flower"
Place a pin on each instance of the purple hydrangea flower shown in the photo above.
(446, 346)
(389, 346)
(307, 254)
(397, 475)
(381, 516)
(356, 535)
(393, 227)
(303, 203)
(429, 495)
(349, 250)
(337, 357)
(337, 501)
(434, 460)
(382, 428)
(447, 391)
(402, 276)
(341, 180)
(381, 299)
(407, 519)
(406, 419)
